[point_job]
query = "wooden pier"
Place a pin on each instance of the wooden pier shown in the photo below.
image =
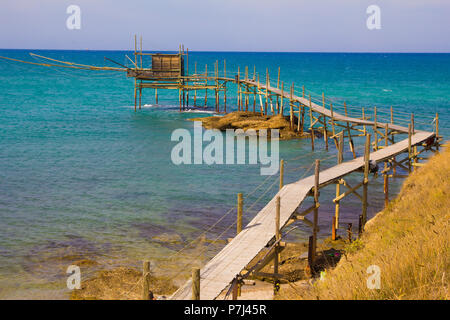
(314, 113)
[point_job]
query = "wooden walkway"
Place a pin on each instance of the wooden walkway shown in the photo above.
(220, 271)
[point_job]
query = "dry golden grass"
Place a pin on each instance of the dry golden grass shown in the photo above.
(409, 241)
(120, 284)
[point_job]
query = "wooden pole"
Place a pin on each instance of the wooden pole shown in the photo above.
(366, 178)
(282, 97)
(338, 184)
(179, 97)
(311, 253)
(413, 131)
(316, 209)
(278, 87)
(240, 206)
(332, 119)
(195, 284)
(325, 131)
(360, 226)
(375, 127)
(135, 94)
(206, 82)
(195, 91)
(278, 82)
(267, 91)
(333, 229)
(364, 118)
(146, 279)
(225, 86)
(277, 234)
(311, 124)
(350, 139)
(235, 289)
(239, 88)
(409, 147)
(437, 130)
(386, 175)
(156, 96)
(291, 110)
(281, 173)
(349, 232)
(140, 95)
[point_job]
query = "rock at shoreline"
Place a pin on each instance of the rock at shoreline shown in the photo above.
(249, 120)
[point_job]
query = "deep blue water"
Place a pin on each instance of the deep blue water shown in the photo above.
(82, 176)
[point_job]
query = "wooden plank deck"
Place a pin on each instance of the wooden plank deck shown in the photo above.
(220, 271)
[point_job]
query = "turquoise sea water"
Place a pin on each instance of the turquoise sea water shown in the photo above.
(82, 176)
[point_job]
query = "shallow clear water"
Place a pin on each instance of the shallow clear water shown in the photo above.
(82, 176)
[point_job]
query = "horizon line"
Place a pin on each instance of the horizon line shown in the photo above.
(231, 51)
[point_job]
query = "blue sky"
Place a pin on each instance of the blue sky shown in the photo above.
(229, 25)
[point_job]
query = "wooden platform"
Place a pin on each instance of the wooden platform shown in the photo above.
(218, 273)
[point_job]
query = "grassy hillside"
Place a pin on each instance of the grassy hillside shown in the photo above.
(408, 241)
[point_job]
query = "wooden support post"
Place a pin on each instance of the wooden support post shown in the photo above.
(364, 118)
(254, 100)
(310, 253)
(278, 87)
(366, 179)
(316, 209)
(235, 289)
(350, 139)
(239, 89)
(386, 175)
(282, 98)
(281, 173)
(338, 184)
(278, 82)
(291, 110)
(156, 96)
(413, 131)
(195, 284)
(277, 234)
(360, 226)
(303, 91)
(140, 95)
(302, 121)
(240, 205)
(409, 147)
(332, 119)
(333, 229)
(179, 98)
(325, 132)
(437, 130)
(267, 91)
(311, 123)
(146, 280)
(349, 232)
(375, 127)
(195, 91)
(206, 83)
(225, 86)
(135, 94)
